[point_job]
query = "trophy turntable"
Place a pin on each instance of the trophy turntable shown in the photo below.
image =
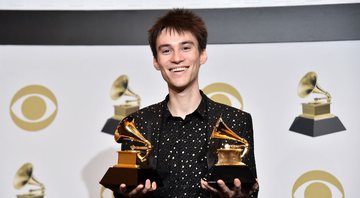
(230, 163)
(316, 118)
(132, 168)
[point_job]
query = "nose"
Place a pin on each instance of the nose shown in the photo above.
(177, 57)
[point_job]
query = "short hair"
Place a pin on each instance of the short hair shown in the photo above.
(179, 20)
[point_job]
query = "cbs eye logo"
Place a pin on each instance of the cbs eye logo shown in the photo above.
(33, 108)
(317, 183)
(224, 93)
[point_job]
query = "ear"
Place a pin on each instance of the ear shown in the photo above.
(203, 57)
(156, 64)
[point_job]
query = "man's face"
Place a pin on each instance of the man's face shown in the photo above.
(179, 59)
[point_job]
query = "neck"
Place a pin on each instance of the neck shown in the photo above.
(183, 103)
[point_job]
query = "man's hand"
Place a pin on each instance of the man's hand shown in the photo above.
(139, 191)
(225, 192)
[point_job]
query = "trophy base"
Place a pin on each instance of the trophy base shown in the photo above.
(315, 128)
(110, 126)
(30, 195)
(229, 173)
(132, 177)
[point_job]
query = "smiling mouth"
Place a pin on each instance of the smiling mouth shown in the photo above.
(178, 69)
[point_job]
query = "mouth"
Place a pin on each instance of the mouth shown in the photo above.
(179, 69)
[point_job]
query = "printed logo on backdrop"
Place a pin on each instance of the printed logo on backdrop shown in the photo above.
(317, 183)
(120, 88)
(33, 108)
(225, 94)
(316, 119)
(24, 177)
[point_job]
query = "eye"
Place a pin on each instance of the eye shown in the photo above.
(33, 108)
(186, 48)
(225, 94)
(316, 184)
(165, 51)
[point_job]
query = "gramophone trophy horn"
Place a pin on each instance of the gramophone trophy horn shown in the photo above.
(231, 154)
(316, 118)
(119, 88)
(128, 131)
(127, 170)
(23, 177)
(308, 84)
(230, 163)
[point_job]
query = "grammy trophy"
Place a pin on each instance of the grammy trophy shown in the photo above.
(230, 163)
(132, 168)
(316, 118)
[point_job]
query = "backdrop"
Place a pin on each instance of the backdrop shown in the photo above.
(70, 154)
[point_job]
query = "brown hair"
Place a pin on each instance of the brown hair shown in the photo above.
(179, 20)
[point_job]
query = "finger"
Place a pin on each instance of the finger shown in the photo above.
(224, 189)
(139, 187)
(237, 183)
(222, 186)
(153, 186)
(147, 186)
(237, 186)
(136, 190)
(206, 186)
(122, 188)
(202, 183)
(255, 187)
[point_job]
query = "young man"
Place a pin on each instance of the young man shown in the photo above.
(180, 126)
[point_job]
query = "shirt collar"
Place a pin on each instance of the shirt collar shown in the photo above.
(201, 110)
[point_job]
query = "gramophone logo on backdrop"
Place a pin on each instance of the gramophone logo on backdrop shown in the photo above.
(317, 183)
(225, 94)
(33, 108)
(120, 88)
(24, 177)
(316, 119)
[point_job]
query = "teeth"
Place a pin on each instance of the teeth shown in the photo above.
(176, 69)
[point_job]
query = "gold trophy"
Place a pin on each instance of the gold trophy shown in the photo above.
(23, 177)
(120, 88)
(230, 163)
(316, 118)
(132, 168)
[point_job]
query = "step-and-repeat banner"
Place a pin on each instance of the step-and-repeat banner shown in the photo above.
(55, 100)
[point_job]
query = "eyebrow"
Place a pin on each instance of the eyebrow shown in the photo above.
(181, 43)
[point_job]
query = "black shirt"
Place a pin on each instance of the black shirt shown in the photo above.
(182, 150)
(181, 146)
